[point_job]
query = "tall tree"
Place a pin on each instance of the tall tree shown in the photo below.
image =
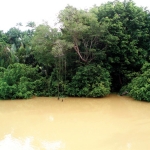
(42, 43)
(81, 27)
(7, 54)
(127, 39)
(14, 36)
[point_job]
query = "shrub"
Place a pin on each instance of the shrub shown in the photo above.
(90, 81)
(17, 81)
(139, 88)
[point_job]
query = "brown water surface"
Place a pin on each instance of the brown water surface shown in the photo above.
(110, 123)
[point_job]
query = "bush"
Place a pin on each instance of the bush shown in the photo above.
(90, 81)
(139, 88)
(41, 87)
(17, 81)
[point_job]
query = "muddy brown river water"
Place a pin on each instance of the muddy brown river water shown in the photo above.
(110, 123)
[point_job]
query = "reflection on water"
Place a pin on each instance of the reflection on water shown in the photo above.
(51, 118)
(110, 123)
(10, 143)
(52, 145)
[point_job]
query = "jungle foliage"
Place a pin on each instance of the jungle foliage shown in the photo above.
(90, 81)
(95, 52)
(139, 87)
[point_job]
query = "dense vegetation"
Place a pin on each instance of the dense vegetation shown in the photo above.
(98, 51)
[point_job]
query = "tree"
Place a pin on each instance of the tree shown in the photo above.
(82, 29)
(59, 48)
(24, 51)
(42, 43)
(59, 51)
(7, 54)
(31, 24)
(14, 36)
(127, 39)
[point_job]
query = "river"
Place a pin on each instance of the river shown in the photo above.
(42, 123)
